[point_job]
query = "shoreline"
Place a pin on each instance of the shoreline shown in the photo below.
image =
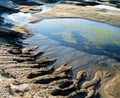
(75, 18)
(22, 75)
(73, 11)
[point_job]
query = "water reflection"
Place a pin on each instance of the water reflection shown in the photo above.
(84, 35)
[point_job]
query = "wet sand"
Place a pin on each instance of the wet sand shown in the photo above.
(96, 14)
(22, 75)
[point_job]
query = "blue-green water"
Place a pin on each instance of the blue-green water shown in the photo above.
(83, 35)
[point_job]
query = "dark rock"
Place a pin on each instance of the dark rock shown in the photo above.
(8, 4)
(6, 32)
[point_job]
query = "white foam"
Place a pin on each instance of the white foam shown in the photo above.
(21, 18)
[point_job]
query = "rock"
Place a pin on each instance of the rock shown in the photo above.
(35, 9)
(27, 50)
(33, 19)
(29, 9)
(25, 9)
(8, 10)
(61, 69)
(44, 60)
(8, 4)
(21, 29)
(7, 32)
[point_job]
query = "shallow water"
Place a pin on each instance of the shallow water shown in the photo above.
(83, 44)
(82, 35)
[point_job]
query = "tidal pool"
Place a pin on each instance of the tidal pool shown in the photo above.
(81, 43)
(78, 42)
(82, 35)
